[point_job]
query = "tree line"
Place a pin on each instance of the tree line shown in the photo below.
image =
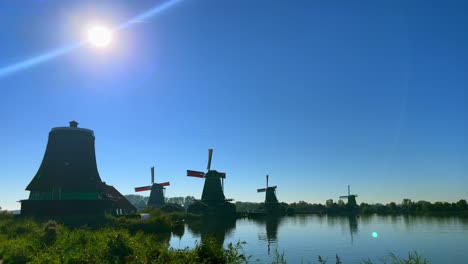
(140, 201)
(406, 206)
(330, 206)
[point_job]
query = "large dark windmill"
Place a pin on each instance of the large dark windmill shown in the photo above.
(351, 205)
(68, 182)
(156, 198)
(271, 202)
(213, 200)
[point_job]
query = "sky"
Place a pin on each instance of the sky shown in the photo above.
(316, 94)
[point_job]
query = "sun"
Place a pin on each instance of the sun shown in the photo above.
(99, 36)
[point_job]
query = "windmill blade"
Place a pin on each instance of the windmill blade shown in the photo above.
(261, 190)
(210, 155)
(267, 180)
(197, 174)
(222, 175)
(143, 188)
(152, 175)
(164, 184)
(344, 196)
(272, 187)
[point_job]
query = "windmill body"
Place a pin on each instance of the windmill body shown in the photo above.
(68, 182)
(352, 204)
(213, 193)
(157, 198)
(213, 200)
(270, 195)
(272, 205)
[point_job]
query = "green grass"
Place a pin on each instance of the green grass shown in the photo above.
(124, 240)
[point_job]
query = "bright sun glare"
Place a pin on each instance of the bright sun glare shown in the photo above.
(99, 36)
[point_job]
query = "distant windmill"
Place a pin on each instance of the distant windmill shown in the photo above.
(156, 198)
(270, 194)
(213, 190)
(352, 205)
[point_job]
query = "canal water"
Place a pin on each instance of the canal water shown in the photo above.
(303, 237)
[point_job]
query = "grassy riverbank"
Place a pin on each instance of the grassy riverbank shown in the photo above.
(120, 240)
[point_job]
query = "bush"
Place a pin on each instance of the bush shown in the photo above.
(50, 232)
(117, 250)
(148, 226)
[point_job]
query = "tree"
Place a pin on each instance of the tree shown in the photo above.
(407, 205)
(406, 202)
(176, 200)
(462, 205)
(365, 208)
(188, 200)
(329, 203)
(137, 200)
(423, 206)
(140, 204)
(341, 204)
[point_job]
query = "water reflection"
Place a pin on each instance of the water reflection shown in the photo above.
(272, 224)
(346, 223)
(302, 237)
(353, 226)
(178, 231)
(218, 228)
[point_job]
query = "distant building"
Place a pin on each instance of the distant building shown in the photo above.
(68, 182)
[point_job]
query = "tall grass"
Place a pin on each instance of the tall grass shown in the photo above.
(27, 241)
(123, 240)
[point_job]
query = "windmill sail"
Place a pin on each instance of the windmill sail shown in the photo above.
(143, 188)
(164, 184)
(210, 155)
(198, 174)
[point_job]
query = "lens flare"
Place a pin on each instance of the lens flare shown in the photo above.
(99, 36)
(375, 235)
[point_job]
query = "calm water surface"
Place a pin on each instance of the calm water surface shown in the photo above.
(303, 237)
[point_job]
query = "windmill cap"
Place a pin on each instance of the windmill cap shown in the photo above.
(73, 123)
(72, 127)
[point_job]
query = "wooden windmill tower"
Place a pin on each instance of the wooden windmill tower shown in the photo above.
(68, 183)
(271, 202)
(352, 205)
(156, 198)
(212, 198)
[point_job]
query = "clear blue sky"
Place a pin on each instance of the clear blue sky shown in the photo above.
(317, 94)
